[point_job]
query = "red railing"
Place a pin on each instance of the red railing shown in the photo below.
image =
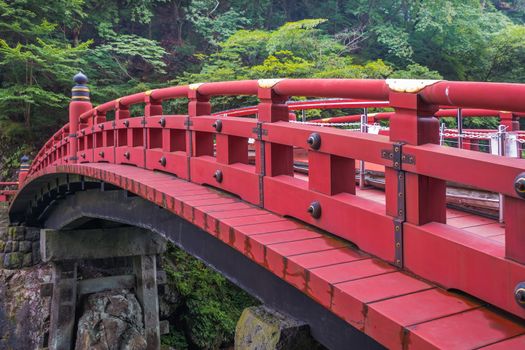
(410, 230)
(7, 190)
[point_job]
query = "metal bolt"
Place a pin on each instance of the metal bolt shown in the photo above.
(218, 176)
(101, 153)
(162, 161)
(162, 122)
(126, 123)
(398, 245)
(217, 125)
(83, 155)
(398, 228)
(519, 185)
(519, 294)
(314, 140)
(101, 126)
(126, 155)
(315, 209)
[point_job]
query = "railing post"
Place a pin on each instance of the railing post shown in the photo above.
(414, 123)
(79, 104)
(197, 143)
(509, 120)
(274, 159)
(362, 168)
(502, 133)
(459, 121)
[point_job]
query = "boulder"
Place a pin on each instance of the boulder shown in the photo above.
(111, 320)
(263, 328)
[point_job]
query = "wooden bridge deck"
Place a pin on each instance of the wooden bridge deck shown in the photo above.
(395, 308)
(476, 224)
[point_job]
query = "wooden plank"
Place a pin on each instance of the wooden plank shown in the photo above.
(386, 320)
(466, 330)
(349, 298)
(95, 285)
(516, 343)
(321, 280)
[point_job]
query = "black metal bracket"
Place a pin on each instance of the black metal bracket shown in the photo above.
(398, 159)
(397, 156)
(259, 131)
(188, 123)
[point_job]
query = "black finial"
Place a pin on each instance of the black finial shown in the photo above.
(80, 92)
(80, 78)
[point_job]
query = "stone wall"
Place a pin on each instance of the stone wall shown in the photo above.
(19, 247)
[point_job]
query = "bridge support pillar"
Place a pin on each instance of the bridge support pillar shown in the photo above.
(145, 270)
(65, 248)
(63, 301)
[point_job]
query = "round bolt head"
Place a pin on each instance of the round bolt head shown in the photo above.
(519, 294)
(315, 209)
(218, 125)
(162, 161)
(101, 153)
(218, 176)
(314, 140)
(126, 123)
(519, 185)
(126, 155)
(162, 122)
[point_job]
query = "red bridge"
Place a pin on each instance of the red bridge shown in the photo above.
(394, 268)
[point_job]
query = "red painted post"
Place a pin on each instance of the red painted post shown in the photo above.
(513, 208)
(79, 104)
(510, 120)
(272, 108)
(414, 123)
(199, 143)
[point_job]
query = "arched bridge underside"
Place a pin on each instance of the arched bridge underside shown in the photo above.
(347, 296)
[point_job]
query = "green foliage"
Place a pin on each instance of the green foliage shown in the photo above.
(416, 71)
(210, 305)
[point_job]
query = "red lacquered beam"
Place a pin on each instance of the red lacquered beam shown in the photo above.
(106, 107)
(482, 170)
(170, 92)
(133, 99)
(242, 87)
(338, 142)
(357, 88)
(496, 96)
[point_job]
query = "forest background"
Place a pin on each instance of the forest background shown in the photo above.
(127, 46)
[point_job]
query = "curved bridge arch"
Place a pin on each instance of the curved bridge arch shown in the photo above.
(128, 153)
(117, 206)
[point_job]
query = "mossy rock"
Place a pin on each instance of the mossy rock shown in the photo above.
(13, 260)
(262, 328)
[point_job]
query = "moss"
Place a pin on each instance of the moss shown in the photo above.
(209, 305)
